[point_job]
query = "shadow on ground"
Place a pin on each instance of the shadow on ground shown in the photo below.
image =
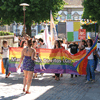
(66, 88)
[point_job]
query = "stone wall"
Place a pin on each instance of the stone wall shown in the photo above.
(10, 39)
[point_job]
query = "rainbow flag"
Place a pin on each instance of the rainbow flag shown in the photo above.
(54, 60)
(49, 60)
(57, 61)
(82, 64)
(14, 58)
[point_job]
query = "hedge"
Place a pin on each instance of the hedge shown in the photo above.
(5, 33)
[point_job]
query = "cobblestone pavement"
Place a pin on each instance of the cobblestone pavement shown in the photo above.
(46, 88)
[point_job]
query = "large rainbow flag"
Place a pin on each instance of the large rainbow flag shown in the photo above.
(57, 61)
(49, 60)
(54, 60)
(82, 64)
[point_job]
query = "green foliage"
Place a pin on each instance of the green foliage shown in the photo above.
(2, 33)
(92, 10)
(39, 10)
(90, 28)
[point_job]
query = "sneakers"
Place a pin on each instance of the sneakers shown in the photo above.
(87, 82)
(93, 81)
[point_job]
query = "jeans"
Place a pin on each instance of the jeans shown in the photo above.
(90, 69)
(6, 64)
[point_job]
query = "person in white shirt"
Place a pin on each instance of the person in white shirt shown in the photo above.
(5, 56)
(42, 46)
(90, 65)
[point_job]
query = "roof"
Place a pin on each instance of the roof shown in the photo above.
(73, 4)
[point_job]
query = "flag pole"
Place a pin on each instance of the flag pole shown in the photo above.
(51, 26)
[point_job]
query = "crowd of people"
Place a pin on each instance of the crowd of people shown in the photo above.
(29, 55)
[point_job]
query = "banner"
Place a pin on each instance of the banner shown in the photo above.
(49, 60)
(14, 58)
(57, 61)
(82, 34)
(53, 60)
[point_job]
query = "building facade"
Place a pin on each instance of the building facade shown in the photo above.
(72, 11)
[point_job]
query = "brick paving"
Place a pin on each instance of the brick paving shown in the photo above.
(46, 88)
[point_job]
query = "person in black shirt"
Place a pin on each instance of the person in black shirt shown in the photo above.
(73, 49)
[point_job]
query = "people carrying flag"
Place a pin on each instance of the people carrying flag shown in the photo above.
(73, 50)
(57, 46)
(91, 63)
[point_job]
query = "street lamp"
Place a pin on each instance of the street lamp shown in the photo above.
(24, 5)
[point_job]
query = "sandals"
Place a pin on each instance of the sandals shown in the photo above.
(8, 75)
(28, 92)
(23, 89)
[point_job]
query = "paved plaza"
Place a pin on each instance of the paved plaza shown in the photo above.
(46, 88)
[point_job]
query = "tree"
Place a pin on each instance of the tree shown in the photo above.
(92, 11)
(38, 11)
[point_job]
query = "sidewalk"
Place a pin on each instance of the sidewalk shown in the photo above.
(47, 88)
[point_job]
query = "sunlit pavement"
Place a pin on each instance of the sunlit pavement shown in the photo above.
(46, 88)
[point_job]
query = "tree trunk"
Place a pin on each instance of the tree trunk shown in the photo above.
(28, 30)
(99, 31)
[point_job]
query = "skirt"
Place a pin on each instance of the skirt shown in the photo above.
(28, 64)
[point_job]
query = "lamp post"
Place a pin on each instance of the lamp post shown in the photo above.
(24, 5)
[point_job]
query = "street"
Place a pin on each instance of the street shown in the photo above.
(46, 88)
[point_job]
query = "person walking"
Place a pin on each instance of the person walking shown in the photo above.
(5, 56)
(90, 65)
(42, 46)
(28, 57)
(57, 46)
(82, 45)
(73, 50)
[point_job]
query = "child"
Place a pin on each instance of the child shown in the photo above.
(5, 56)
